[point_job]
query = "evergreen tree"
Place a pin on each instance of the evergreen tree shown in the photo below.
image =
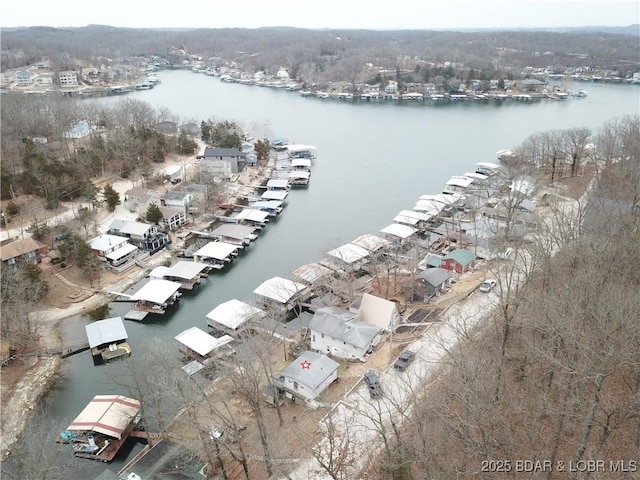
(154, 215)
(111, 197)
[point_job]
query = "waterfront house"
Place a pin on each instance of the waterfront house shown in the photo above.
(216, 254)
(105, 244)
(177, 199)
(138, 199)
(198, 345)
(103, 426)
(79, 130)
(459, 261)
(231, 159)
(173, 218)
(143, 235)
(430, 283)
(16, 253)
(338, 332)
(107, 339)
(376, 311)
(308, 376)
(281, 293)
(234, 317)
(24, 78)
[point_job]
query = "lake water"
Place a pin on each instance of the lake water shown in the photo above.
(373, 160)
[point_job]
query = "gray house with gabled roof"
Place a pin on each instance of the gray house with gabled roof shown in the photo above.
(308, 376)
(218, 158)
(339, 333)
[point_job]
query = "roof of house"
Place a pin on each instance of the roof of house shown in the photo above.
(435, 276)
(105, 242)
(121, 252)
(222, 152)
(19, 247)
(169, 212)
(106, 331)
(107, 414)
(343, 325)
(279, 289)
(200, 341)
(234, 313)
(117, 224)
(310, 369)
(176, 195)
(135, 228)
(143, 194)
(461, 255)
(377, 311)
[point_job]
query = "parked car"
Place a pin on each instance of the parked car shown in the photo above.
(487, 285)
(404, 360)
(372, 381)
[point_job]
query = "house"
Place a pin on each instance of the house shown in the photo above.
(308, 376)
(173, 218)
(143, 235)
(281, 293)
(338, 332)
(24, 78)
(178, 199)
(234, 317)
(376, 311)
(79, 130)
(68, 79)
(431, 282)
(105, 244)
(44, 81)
(459, 260)
(18, 252)
(107, 339)
(216, 158)
(532, 85)
(138, 199)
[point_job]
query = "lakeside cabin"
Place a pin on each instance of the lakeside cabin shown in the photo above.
(188, 274)
(198, 345)
(102, 428)
(216, 254)
(308, 376)
(107, 339)
(234, 317)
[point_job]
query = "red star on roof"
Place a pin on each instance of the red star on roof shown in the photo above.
(306, 364)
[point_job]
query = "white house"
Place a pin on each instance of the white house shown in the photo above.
(308, 376)
(339, 333)
(173, 218)
(177, 199)
(24, 78)
(138, 199)
(68, 79)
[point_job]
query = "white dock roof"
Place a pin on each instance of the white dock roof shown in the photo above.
(185, 270)
(300, 147)
(279, 289)
(277, 183)
(301, 162)
(398, 230)
(312, 272)
(106, 331)
(238, 232)
(108, 414)
(373, 243)
(200, 341)
(300, 174)
(349, 253)
(268, 204)
(217, 250)
(274, 195)
(233, 314)
(253, 214)
(459, 181)
(156, 291)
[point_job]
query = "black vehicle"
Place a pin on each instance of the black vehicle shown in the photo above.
(372, 381)
(404, 360)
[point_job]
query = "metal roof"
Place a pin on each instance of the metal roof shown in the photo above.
(238, 232)
(108, 414)
(310, 369)
(156, 291)
(217, 250)
(274, 195)
(435, 276)
(186, 270)
(349, 253)
(200, 341)
(377, 311)
(106, 331)
(397, 230)
(312, 272)
(343, 325)
(268, 204)
(279, 289)
(234, 313)
(121, 252)
(253, 214)
(301, 162)
(373, 243)
(460, 255)
(277, 183)
(105, 242)
(299, 174)
(135, 228)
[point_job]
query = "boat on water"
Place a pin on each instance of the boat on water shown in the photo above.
(579, 94)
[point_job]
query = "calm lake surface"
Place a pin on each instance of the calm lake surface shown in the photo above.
(373, 160)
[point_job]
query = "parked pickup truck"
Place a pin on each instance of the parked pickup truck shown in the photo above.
(404, 360)
(372, 381)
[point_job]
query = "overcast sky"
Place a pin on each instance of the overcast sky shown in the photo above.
(345, 14)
